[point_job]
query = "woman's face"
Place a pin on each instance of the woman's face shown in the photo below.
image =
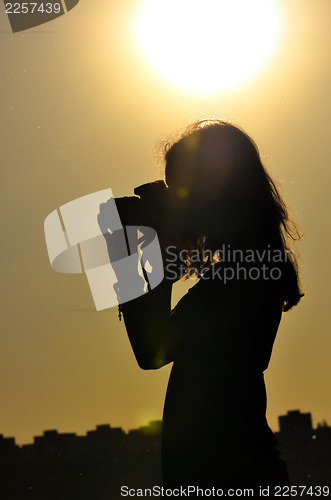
(196, 173)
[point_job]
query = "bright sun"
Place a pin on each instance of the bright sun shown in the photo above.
(206, 46)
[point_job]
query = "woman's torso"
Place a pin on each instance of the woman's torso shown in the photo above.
(214, 414)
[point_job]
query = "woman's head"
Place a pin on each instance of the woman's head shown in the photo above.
(205, 159)
(216, 177)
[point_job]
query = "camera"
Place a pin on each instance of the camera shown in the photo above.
(147, 208)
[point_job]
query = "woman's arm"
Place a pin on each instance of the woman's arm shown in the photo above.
(147, 320)
(152, 335)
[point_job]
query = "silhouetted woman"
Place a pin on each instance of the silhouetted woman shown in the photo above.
(221, 217)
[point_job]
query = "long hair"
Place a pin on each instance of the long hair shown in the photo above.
(216, 169)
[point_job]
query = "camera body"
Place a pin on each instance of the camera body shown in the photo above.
(147, 208)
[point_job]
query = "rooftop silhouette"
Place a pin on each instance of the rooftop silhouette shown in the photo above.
(67, 466)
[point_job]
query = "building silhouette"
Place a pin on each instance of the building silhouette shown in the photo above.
(306, 450)
(295, 424)
(64, 466)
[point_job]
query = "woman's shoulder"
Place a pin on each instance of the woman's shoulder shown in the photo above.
(231, 280)
(215, 299)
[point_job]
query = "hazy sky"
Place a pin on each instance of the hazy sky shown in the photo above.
(82, 111)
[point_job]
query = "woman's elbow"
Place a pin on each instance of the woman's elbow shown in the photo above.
(153, 361)
(146, 365)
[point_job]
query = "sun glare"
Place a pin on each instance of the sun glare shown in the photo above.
(207, 46)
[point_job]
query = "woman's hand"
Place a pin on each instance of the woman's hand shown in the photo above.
(159, 214)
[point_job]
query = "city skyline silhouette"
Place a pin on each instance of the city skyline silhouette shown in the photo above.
(68, 466)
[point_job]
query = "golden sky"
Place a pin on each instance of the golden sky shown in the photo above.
(81, 111)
